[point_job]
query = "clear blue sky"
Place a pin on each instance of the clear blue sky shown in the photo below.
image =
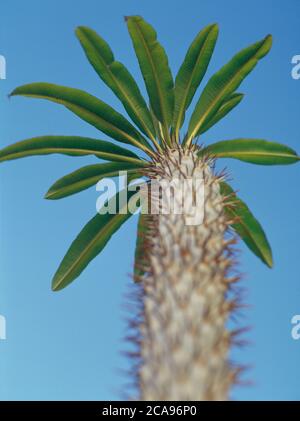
(67, 345)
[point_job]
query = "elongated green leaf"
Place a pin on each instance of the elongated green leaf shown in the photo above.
(139, 258)
(225, 82)
(154, 66)
(247, 226)
(228, 105)
(192, 71)
(117, 77)
(88, 244)
(87, 107)
(88, 176)
(255, 151)
(68, 145)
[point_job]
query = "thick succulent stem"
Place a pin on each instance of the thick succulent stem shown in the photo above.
(184, 340)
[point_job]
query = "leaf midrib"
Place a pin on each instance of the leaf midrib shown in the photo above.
(155, 76)
(271, 154)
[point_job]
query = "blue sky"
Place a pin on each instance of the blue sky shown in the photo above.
(68, 345)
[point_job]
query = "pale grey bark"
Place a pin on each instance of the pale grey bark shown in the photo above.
(184, 339)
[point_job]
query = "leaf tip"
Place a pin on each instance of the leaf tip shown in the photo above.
(56, 285)
(268, 258)
(16, 91)
(49, 195)
(78, 30)
(132, 18)
(266, 45)
(270, 261)
(13, 93)
(269, 38)
(214, 26)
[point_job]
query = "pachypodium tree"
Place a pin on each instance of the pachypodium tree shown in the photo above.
(185, 271)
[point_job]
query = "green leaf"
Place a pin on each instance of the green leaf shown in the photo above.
(247, 226)
(87, 107)
(88, 244)
(192, 72)
(228, 105)
(225, 82)
(86, 177)
(139, 258)
(69, 145)
(117, 77)
(255, 151)
(154, 66)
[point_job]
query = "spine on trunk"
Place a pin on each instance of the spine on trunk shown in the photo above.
(184, 342)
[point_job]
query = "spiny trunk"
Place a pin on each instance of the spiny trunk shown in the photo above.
(184, 339)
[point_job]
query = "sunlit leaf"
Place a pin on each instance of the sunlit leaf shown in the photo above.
(225, 82)
(87, 176)
(68, 145)
(154, 66)
(228, 105)
(88, 244)
(192, 71)
(254, 151)
(117, 77)
(87, 107)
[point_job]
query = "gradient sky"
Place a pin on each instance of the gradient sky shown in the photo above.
(68, 345)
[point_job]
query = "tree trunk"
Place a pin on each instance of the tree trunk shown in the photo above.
(184, 340)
